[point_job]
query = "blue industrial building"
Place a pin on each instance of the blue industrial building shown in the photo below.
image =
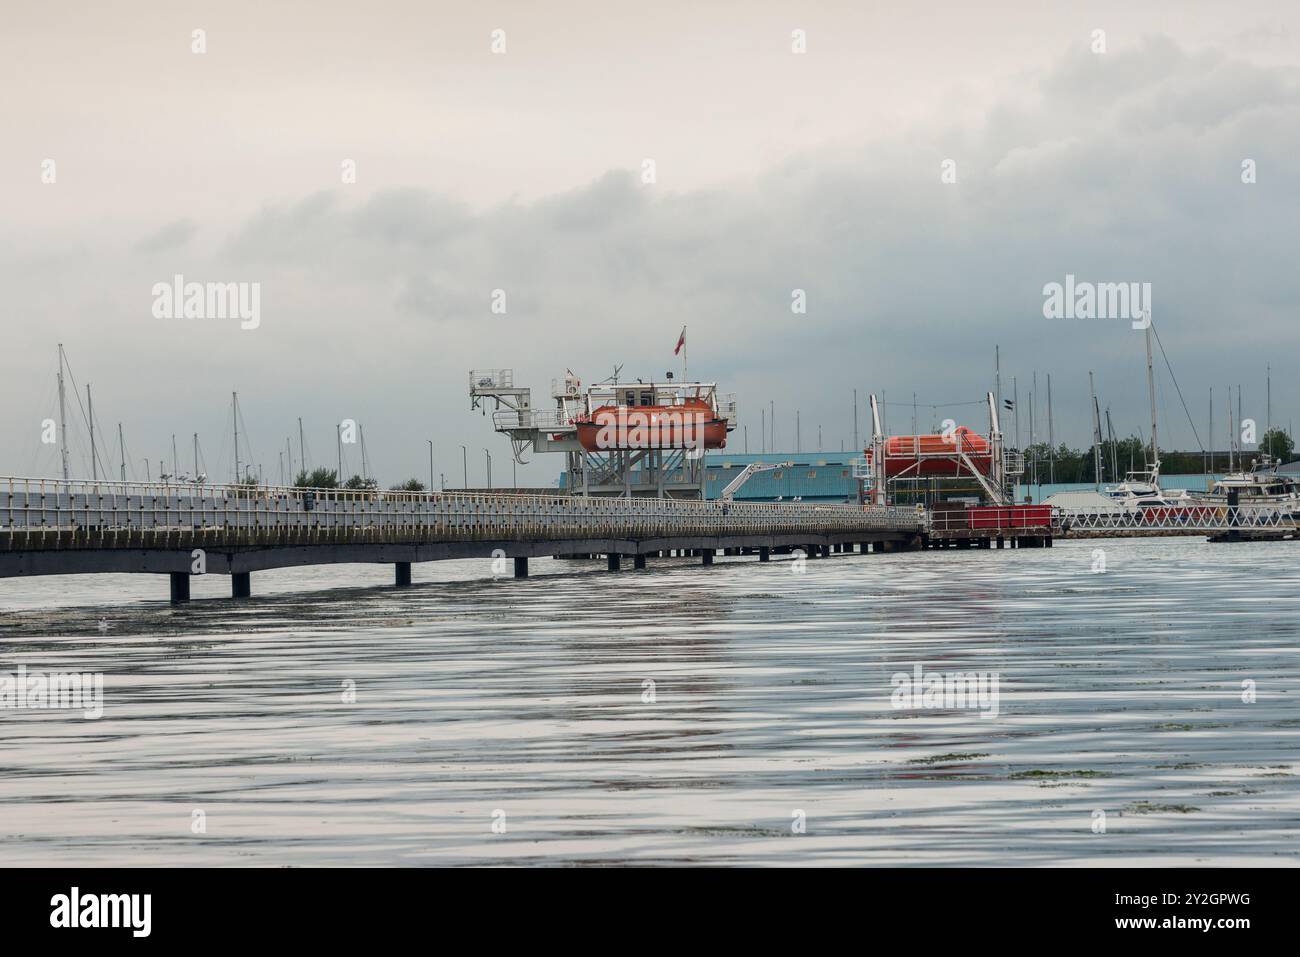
(812, 477)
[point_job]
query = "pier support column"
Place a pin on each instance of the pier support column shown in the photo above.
(1000, 541)
(613, 561)
(241, 584)
(638, 562)
(403, 574)
(877, 546)
(764, 553)
(706, 556)
(180, 582)
(521, 567)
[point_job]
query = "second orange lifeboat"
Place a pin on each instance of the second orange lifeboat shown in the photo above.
(935, 456)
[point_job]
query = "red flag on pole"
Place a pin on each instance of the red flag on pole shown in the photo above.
(681, 341)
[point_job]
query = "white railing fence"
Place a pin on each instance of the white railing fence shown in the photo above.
(41, 506)
(1210, 518)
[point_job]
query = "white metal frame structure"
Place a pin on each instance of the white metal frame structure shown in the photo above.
(1008, 465)
(674, 473)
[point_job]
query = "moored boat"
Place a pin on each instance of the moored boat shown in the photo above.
(653, 416)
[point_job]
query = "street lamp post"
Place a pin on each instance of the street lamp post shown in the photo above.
(464, 463)
(430, 441)
(489, 467)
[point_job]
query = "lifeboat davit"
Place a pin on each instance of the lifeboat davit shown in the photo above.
(685, 425)
(935, 456)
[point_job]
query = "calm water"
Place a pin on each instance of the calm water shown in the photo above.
(1120, 692)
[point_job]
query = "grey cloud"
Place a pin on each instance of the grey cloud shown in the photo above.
(901, 272)
(172, 236)
(1122, 168)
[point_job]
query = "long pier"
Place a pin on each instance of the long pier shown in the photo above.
(51, 527)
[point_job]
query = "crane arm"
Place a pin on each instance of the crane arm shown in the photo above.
(752, 468)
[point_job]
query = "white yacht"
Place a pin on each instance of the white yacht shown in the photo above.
(1142, 490)
(1262, 485)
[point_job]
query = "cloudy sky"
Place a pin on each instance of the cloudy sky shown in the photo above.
(523, 171)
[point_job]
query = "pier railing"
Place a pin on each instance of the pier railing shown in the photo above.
(60, 513)
(1209, 518)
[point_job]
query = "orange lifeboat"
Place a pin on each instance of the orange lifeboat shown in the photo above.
(683, 425)
(935, 456)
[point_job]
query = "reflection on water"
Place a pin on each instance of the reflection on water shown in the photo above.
(1120, 692)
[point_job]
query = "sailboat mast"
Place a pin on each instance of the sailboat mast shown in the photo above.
(1015, 405)
(63, 422)
(1051, 435)
(1110, 432)
(1210, 469)
(997, 379)
(234, 415)
(121, 450)
(1033, 399)
(90, 411)
(1096, 434)
(1241, 453)
(1232, 432)
(1151, 390)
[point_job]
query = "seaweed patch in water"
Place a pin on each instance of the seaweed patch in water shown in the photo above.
(1147, 807)
(949, 758)
(1083, 773)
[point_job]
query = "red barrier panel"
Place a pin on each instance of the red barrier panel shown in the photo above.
(1009, 516)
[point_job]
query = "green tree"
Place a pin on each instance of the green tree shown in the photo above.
(410, 485)
(1277, 444)
(317, 478)
(364, 484)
